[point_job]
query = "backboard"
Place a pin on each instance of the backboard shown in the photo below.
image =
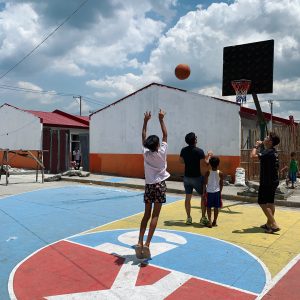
(252, 61)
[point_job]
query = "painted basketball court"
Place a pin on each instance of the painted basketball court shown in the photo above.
(76, 242)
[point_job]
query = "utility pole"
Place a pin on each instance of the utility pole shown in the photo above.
(271, 108)
(78, 97)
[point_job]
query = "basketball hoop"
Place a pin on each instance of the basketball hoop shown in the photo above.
(241, 88)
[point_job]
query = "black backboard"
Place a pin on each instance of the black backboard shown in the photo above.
(252, 61)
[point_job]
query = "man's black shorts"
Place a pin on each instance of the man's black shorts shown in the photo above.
(266, 194)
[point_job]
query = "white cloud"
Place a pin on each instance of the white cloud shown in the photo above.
(110, 44)
(114, 42)
(106, 95)
(198, 40)
(68, 67)
(121, 85)
(287, 89)
(19, 27)
(36, 95)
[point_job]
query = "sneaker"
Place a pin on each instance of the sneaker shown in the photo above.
(203, 221)
(188, 221)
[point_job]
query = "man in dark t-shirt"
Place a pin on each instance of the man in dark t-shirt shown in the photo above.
(269, 180)
(191, 156)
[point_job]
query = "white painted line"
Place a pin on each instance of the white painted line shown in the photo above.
(279, 276)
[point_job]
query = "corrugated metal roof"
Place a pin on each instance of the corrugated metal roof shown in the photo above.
(60, 119)
(253, 112)
(57, 118)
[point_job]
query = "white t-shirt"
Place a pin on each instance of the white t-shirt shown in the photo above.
(155, 164)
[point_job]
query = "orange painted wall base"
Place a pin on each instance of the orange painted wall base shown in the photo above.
(132, 165)
(17, 161)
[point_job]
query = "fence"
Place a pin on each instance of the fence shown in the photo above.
(289, 142)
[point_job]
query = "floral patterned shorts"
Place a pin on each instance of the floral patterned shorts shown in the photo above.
(155, 193)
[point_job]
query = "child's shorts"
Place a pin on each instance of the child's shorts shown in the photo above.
(293, 176)
(214, 200)
(155, 193)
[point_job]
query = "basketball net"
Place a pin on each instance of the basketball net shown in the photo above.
(241, 88)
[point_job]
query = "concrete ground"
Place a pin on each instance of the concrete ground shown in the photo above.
(229, 192)
(235, 260)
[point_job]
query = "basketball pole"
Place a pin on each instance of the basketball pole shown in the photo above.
(260, 117)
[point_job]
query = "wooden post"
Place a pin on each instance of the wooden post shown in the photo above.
(42, 159)
(6, 168)
(37, 169)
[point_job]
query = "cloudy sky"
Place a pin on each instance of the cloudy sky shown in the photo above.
(108, 49)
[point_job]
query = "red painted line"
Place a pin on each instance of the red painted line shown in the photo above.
(288, 287)
(149, 275)
(200, 289)
(64, 268)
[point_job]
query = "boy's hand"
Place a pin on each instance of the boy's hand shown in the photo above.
(210, 153)
(147, 116)
(161, 114)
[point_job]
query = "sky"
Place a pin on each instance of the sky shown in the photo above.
(107, 49)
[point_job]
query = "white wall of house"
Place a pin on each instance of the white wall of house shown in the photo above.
(19, 129)
(117, 128)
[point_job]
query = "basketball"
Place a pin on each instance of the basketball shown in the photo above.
(182, 71)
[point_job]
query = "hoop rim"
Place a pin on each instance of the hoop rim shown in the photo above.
(241, 84)
(241, 88)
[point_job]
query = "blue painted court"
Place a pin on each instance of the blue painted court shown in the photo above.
(36, 219)
(52, 246)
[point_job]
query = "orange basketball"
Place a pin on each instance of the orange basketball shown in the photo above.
(182, 71)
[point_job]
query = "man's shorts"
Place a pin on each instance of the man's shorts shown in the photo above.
(191, 183)
(155, 193)
(266, 194)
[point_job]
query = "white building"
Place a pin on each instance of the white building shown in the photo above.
(55, 133)
(115, 131)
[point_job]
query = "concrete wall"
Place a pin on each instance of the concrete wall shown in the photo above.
(19, 129)
(115, 132)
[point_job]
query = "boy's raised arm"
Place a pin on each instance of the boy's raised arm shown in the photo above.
(147, 117)
(209, 155)
(161, 115)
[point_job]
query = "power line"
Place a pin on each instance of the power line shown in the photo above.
(282, 100)
(52, 93)
(45, 39)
